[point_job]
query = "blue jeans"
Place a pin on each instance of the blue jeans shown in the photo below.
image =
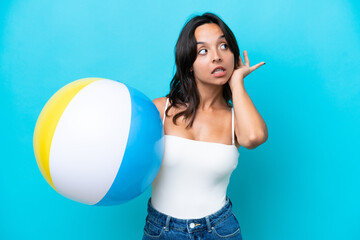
(219, 225)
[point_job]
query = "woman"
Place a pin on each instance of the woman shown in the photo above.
(202, 135)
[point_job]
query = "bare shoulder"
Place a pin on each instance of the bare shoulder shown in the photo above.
(160, 104)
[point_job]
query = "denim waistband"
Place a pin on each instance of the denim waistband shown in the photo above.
(189, 225)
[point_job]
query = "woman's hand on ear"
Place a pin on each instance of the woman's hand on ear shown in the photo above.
(242, 70)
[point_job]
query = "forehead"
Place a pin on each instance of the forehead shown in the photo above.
(208, 32)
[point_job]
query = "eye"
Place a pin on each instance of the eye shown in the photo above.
(224, 46)
(202, 51)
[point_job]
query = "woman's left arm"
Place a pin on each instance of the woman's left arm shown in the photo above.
(250, 127)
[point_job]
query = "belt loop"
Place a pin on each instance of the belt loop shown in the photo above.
(167, 223)
(208, 224)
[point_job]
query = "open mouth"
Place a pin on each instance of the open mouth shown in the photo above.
(218, 70)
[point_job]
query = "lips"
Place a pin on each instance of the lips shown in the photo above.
(219, 72)
(218, 69)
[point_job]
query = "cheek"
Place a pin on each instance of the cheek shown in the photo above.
(231, 65)
(199, 66)
(231, 61)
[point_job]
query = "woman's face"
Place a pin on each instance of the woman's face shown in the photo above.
(214, 63)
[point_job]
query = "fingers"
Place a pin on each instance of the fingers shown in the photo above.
(246, 57)
(247, 62)
(240, 61)
(257, 66)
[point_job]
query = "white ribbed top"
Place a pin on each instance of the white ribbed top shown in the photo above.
(193, 177)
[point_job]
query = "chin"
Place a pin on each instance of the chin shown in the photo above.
(224, 81)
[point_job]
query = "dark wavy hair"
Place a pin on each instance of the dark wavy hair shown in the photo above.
(183, 88)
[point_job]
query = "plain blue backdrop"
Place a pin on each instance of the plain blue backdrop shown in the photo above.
(303, 183)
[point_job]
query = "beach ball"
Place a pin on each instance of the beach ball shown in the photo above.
(99, 141)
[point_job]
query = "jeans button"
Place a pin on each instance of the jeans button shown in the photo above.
(192, 225)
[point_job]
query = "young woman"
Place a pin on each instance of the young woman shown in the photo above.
(207, 116)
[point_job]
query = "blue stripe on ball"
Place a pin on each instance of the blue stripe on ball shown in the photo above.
(143, 154)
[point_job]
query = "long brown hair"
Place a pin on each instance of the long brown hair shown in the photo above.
(183, 90)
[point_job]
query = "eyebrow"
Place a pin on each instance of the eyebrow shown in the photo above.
(222, 36)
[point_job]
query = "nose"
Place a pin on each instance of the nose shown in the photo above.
(216, 57)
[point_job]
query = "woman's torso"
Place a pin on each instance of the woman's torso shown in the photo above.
(194, 175)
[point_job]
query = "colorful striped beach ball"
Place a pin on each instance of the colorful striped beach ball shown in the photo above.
(99, 142)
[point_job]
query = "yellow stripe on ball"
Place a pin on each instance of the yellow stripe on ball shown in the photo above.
(48, 120)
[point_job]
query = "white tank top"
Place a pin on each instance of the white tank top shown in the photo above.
(193, 177)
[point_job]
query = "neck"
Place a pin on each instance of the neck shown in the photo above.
(211, 97)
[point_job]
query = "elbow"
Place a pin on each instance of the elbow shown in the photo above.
(257, 139)
(254, 140)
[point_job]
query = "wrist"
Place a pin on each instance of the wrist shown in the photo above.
(238, 85)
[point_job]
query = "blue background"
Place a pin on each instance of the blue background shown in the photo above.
(303, 183)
